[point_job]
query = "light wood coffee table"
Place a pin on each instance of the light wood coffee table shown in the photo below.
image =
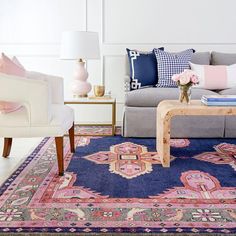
(169, 108)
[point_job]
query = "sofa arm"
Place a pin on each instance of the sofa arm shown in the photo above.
(33, 94)
(55, 82)
(127, 83)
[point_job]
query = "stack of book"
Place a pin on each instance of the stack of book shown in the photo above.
(219, 100)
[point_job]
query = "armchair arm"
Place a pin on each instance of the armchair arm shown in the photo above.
(55, 82)
(127, 83)
(33, 94)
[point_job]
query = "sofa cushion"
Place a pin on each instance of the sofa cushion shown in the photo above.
(201, 58)
(150, 97)
(219, 58)
(230, 91)
(169, 64)
(143, 69)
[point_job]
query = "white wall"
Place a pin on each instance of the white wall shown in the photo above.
(31, 30)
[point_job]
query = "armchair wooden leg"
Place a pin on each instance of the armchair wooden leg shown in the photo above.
(7, 147)
(72, 138)
(59, 148)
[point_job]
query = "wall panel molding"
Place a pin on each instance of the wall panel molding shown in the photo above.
(52, 49)
(208, 23)
(30, 50)
(40, 22)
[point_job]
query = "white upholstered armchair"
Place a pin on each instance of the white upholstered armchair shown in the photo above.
(43, 113)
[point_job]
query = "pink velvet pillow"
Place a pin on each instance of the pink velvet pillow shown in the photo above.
(7, 107)
(7, 66)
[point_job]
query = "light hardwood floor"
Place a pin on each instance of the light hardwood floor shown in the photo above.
(21, 148)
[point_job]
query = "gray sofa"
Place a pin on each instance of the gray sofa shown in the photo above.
(139, 116)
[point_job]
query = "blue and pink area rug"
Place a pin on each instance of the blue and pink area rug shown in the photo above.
(116, 185)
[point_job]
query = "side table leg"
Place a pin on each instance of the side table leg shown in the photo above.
(113, 118)
(163, 140)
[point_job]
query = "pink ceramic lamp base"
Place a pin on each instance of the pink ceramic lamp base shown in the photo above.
(80, 86)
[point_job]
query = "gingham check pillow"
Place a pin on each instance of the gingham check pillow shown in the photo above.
(169, 64)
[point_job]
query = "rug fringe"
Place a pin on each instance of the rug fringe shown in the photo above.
(116, 234)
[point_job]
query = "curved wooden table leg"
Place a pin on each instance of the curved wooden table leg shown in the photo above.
(7, 147)
(163, 139)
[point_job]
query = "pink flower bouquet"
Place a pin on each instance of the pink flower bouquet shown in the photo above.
(185, 80)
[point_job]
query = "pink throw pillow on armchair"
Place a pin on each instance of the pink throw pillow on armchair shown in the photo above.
(10, 67)
(7, 107)
(7, 66)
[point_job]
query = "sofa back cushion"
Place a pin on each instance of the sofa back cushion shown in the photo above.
(150, 97)
(219, 58)
(215, 77)
(143, 69)
(201, 58)
(169, 64)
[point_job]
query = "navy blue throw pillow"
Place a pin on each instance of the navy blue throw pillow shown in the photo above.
(143, 69)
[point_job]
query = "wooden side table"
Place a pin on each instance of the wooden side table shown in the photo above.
(169, 108)
(97, 101)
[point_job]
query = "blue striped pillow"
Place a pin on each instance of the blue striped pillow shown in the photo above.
(169, 64)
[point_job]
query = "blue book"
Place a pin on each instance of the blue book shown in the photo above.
(210, 103)
(219, 98)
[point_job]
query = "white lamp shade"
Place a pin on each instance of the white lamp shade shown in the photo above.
(79, 44)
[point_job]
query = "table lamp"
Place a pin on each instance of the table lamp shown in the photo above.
(80, 46)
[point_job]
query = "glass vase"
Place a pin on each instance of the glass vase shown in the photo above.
(185, 94)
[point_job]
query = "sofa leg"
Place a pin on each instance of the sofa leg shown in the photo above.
(72, 138)
(7, 147)
(59, 148)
